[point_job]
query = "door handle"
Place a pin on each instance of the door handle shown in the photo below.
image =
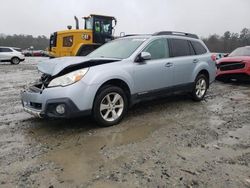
(168, 64)
(195, 60)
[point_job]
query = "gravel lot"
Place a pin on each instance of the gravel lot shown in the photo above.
(171, 142)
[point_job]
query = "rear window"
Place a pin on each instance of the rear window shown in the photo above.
(5, 50)
(198, 47)
(180, 47)
(18, 49)
(67, 41)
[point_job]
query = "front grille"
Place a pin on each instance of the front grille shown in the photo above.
(35, 88)
(226, 66)
(44, 80)
(35, 105)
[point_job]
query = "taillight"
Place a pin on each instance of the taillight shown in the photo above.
(213, 57)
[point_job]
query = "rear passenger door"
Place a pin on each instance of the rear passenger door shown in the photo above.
(183, 60)
(5, 53)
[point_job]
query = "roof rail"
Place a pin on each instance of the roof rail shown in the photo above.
(131, 35)
(176, 33)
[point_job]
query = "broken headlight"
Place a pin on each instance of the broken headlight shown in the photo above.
(69, 78)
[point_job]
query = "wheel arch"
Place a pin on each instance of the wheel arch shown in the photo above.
(116, 82)
(204, 72)
(202, 69)
(15, 57)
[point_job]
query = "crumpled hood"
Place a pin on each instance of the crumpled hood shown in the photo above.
(55, 66)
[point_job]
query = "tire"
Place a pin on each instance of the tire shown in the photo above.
(200, 87)
(112, 112)
(15, 61)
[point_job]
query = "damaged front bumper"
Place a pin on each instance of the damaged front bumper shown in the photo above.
(43, 103)
(36, 113)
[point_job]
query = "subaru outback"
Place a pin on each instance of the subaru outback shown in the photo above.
(119, 74)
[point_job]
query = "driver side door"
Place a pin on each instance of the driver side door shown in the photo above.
(155, 74)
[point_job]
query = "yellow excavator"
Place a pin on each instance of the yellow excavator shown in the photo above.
(98, 29)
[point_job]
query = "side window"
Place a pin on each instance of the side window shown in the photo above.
(106, 27)
(97, 26)
(198, 47)
(191, 49)
(0, 50)
(103, 26)
(158, 49)
(5, 50)
(67, 41)
(180, 47)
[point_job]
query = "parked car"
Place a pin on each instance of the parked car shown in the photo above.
(235, 66)
(10, 54)
(38, 53)
(35, 53)
(119, 74)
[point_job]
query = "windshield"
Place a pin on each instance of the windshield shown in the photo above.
(245, 51)
(120, 49)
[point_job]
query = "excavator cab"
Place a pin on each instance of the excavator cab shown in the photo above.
(102, 27)
(98, 29)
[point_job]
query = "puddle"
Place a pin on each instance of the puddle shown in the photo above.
(81, 162)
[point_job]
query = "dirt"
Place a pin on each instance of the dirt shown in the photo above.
(170, 142)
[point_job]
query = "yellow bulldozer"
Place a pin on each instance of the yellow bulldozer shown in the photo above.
(98, 29)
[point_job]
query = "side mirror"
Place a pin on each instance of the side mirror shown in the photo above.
(143, 56)
(226, 55)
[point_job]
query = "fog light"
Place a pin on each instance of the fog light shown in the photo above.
(60, 109)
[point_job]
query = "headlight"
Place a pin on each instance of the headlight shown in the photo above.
(69, 78)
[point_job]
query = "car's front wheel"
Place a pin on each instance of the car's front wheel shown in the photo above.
(15, 61)
(200, 87)
(110, 106)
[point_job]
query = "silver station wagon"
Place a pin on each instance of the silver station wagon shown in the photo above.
(117, 75)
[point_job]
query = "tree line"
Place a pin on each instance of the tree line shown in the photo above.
(24, 41)
(228, 42)
(216, 43)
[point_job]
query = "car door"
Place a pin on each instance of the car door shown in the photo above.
(5, 53)
(1, 54)
(184, 61)
(156, 73)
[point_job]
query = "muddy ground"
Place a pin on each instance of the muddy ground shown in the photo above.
(171, 142)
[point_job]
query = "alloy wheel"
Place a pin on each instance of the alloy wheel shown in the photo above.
(112, 106)
(200, 88)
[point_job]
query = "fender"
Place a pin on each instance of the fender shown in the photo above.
(100, 78)
(202, 65)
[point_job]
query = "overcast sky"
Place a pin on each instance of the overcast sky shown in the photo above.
(203, 17)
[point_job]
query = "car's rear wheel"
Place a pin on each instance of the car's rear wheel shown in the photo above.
(110, 106)
(200, 87)
(15, 61)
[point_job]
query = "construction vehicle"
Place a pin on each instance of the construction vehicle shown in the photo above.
(98, 29)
